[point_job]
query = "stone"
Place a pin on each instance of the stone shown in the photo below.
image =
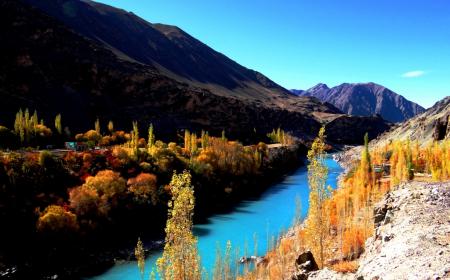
(306, 262)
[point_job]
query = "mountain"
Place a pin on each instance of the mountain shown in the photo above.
(297, 92)
(167, 48)
(366, 99)
(88, 60)
(433, 124)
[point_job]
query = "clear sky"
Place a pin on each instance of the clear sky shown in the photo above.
(401, 44)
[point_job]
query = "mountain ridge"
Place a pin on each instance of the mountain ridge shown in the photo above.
(433, 124)
(166, 47)
(50, 67)
(365, 99)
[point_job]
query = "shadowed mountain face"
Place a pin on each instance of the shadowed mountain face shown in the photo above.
(55, 67)
(168, 48)
(366, 100)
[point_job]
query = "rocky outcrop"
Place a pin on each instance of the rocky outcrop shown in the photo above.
(412, 236)
(305, 264)
(428, 126)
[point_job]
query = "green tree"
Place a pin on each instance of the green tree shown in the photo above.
(180, 259)
(318, 192)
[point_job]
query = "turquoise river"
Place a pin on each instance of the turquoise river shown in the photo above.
(262, 219)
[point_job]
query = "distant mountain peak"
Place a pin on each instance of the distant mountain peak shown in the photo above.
(319, 86)
(366, 99)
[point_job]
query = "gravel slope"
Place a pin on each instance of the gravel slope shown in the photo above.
(412, 239)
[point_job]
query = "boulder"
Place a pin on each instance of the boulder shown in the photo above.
(305, 264)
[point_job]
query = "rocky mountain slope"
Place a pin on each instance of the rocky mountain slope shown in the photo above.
(433, 124)
(412, 236)
(48, 67)
(366, 99)
(57, 66)
(167, 48)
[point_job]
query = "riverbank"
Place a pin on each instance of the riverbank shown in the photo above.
(100, 253)
(265, 218)
(412, 236)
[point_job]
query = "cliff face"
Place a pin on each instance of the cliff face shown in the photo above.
(412, 236)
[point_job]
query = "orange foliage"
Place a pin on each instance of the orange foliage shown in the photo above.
(346, 266)
(228, 157)
(144, 187)
(353, 242)
(57, 219)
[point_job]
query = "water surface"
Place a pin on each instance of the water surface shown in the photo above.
(268, 216)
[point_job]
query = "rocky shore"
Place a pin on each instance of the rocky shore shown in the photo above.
(412, 236)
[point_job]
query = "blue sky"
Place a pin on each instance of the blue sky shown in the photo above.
(403, 45)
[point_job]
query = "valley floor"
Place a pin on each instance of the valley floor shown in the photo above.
(412, 236)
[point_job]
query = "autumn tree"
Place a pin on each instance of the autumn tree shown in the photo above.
(151, 137)
(140, 257)
(58, 125)
(144, 188)
(194, 146)
(134, 142)
(180, 259)
(98, 194)
(187, 141)
(204, 139)
(97, 126)
(27, 128)
(317, 176)
(111, 127)
(57, 219)
(224, 138)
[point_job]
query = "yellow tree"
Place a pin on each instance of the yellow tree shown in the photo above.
(151, 137)
(180, 259)
(139, 252)
(317, 176)
(58, 124)
(111, 127)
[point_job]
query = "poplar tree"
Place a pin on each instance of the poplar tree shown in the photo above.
(111, 127)
(180, 259)
(140, 257)
(58, 125)
(97, 125)
(317, 176)
(204, 139)
(135, 139)
(194, 146)
(151, 137)
(187, 141)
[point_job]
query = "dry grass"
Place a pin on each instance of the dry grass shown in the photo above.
(346, 266)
